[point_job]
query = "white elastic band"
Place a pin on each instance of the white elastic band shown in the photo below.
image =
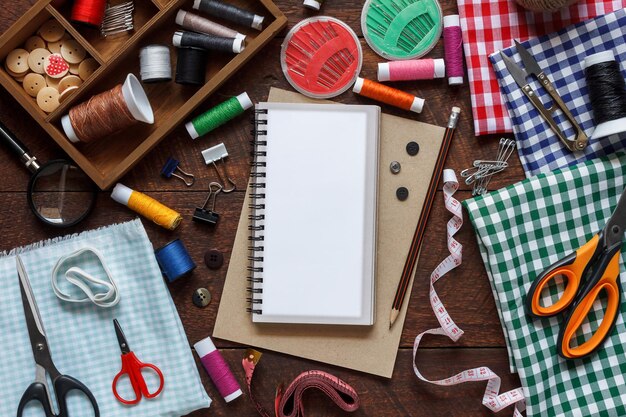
(82, 280)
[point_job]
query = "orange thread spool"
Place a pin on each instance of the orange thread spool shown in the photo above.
(388, 95)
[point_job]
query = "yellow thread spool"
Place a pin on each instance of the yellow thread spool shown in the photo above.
(146, 206)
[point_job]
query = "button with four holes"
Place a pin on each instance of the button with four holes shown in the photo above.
(412, 148)
(201, 297)
(402, 193)
(213, 259)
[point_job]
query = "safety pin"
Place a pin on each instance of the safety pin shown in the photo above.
(215, 154)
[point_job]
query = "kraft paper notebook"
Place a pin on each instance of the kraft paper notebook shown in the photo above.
(313, 231)
(370, 349)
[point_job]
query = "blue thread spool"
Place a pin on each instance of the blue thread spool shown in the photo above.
(174, 260)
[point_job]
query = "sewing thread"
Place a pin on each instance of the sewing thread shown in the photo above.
(191, 66)
(174, 260)
(218, 369)
(453, 49)
(146, 206)
(207, 42)
(313, 4)
(412, 69)
(229, 12)
(388, 95)
(155, 64)
(197, 23)
(218, 115)
(88, 12)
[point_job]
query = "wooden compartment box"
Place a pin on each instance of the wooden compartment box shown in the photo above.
(108, 159)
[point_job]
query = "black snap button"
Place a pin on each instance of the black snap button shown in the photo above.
(412, 148)
(402, 193)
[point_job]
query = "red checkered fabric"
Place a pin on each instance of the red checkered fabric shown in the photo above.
(491, 25)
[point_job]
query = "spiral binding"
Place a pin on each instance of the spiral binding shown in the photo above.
(257, 216)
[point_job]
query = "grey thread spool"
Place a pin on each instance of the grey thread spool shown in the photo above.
(155, 64)
(607, 93)
(207, 42)
(191, 66)
(197, 23)
(229, 12)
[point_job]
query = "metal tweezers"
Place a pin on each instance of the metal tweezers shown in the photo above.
(532, 68)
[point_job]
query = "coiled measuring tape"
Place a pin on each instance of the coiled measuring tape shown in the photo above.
(492, 399)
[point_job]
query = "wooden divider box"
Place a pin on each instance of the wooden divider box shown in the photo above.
(106, 160)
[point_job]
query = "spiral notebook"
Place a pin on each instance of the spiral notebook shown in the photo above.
(313, 221)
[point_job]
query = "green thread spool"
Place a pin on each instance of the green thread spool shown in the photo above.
(402, 29)
(218, 115)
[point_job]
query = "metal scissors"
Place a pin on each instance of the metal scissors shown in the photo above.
(132, 367)
(63, 384)
(532, 68)
(588, 271)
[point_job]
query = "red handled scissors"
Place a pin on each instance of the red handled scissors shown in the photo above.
(589, 271)
(132, 367)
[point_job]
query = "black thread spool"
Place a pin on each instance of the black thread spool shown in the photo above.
(191, 66)
(607, 93)
(207, 42)
(229, 12)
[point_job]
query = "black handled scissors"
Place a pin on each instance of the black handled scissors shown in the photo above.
(590, 270)
(63, 384)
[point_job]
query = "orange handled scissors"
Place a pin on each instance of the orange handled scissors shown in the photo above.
(132, 367)
(587, 272)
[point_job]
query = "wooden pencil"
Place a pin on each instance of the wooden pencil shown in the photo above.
(416, 243)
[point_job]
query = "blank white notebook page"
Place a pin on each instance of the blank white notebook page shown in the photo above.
(320, 214)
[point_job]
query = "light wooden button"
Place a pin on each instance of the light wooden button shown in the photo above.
(48, 99)
(55, 47)
(55, 66)
(66, 93)
(13, 74)
(33, 83)
(34, 42)
(69, 81)
(74, 68)
(52, 31)
(87, 67)
(37, 60)
(17, 61)
(52, 82)
(72, 51)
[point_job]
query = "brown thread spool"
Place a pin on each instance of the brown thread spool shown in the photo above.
(108, 112)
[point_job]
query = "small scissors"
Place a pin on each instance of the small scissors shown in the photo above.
(591, 269)
(62, 384)
(132, 367)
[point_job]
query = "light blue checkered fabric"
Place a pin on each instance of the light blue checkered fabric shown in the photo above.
(81, 336)
(561, 55)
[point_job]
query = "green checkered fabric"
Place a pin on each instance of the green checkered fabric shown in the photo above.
(521, 230)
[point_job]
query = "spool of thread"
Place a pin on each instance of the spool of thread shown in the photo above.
(199, 24)
(155, 63)
(174, 260)
(607, 93)
(313, 4)
(88, 12)
(453, 49)
(146, 206)
(108, 113)
(218, 369)
(388, 95)
(218, 115)
(413, 69)
(207, 42)
(191, 66)
(229, 12)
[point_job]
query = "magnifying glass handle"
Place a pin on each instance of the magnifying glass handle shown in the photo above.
(17, 147)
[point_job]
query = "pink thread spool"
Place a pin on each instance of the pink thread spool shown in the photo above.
(218, 369)
(453, 49)
(412, 69)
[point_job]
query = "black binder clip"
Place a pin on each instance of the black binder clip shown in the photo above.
(172, 165)
(215, 154)
(208, 216)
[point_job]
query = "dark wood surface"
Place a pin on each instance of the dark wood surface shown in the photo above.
(465, 291)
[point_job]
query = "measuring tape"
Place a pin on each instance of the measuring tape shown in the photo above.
(492, 399)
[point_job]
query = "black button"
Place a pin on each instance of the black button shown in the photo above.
(402, 193)
(412, 148)
(213, 259)
(201, 297)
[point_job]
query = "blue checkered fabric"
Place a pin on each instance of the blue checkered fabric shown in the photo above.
(561, 55)
(81, 336)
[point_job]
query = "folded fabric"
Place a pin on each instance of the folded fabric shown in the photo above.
(490, 25)
(521, 230)
(82, 337)
(561, 55)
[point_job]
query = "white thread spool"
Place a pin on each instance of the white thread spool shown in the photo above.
(155, 64)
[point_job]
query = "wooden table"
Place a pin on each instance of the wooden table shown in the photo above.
(465, 291)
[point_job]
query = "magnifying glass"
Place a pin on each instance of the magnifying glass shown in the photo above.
(59, 193)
